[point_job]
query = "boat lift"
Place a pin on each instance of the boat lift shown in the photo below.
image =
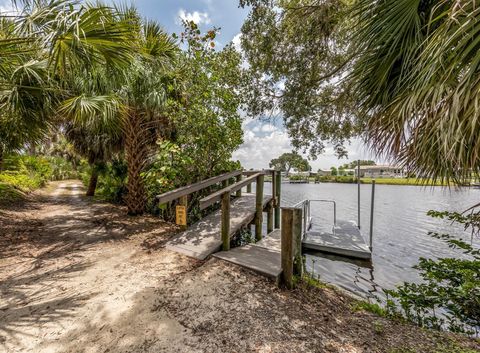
(345, 238)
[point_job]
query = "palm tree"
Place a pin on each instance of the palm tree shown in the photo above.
(130, 101)
(144, 96)
(417, 78)
(41, 49)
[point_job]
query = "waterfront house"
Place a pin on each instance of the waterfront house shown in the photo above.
(381, 171)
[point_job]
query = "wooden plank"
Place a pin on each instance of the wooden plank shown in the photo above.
(188, 189)
(203, 238)
(217, 196)
(263, 171)
(259, 259)
(226, 221)
(272, 241)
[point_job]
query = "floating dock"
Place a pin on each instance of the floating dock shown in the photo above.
(345, 240)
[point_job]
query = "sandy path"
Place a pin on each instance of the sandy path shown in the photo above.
(78, 276)
(80, 279)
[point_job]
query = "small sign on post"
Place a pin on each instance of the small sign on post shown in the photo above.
(181, 215)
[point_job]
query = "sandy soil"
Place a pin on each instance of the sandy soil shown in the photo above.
(79, 276)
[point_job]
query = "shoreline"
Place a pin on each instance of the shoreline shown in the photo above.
(97, 280)
(378, 181)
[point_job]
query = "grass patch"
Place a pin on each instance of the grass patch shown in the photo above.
(370, 307)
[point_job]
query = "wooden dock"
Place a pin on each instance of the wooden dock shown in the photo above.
(262, 257)
(203, 238)
(278, 255)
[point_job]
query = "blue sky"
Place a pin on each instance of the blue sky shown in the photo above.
(207, 13)
(263, 141)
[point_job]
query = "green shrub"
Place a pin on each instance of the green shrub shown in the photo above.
(449, 296)
(22, 174)
(62, 169)
(112, 180)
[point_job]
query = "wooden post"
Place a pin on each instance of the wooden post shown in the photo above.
(259, 208)
(287, 247)
(249, 188)
(278, 184)
(274, 187)
(183, 201)
(239, 192)
(226, 221)
(297, 242)
(270, 217)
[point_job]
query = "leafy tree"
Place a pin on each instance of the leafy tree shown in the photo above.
(287, 161)
(297, 52)
(334, 171)
(416, 80)
(204, 110)
(208, 126)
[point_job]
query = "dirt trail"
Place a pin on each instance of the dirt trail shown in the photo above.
(74, 268)
(80, 276)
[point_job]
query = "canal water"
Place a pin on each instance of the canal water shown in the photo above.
(400, 230)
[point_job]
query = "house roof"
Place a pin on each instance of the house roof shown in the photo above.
(364, 167)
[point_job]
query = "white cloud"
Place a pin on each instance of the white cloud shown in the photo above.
(195, 16)
(265, 141)
(7, 8)
(257, 151)
(237, 42)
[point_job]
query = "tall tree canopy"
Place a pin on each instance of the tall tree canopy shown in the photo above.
(287, 161)
(417, 81)
(43, 46)
(298, 51)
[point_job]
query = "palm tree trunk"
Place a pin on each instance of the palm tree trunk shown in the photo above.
(136, 151)
(92, 185)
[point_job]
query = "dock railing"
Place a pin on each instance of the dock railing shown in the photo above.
(307, 217)
(223, 195)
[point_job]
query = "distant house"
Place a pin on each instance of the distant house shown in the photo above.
(347, 171)
(303, 174)
(323, 172)
(381, 171)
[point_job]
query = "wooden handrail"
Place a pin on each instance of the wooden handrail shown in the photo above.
(217, 196)
(189, 189)
(263, 171)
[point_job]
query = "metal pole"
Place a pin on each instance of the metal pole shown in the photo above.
(334, 213)
(372, 205)
(358, 188)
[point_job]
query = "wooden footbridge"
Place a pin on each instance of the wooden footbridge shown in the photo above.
(277, 255)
